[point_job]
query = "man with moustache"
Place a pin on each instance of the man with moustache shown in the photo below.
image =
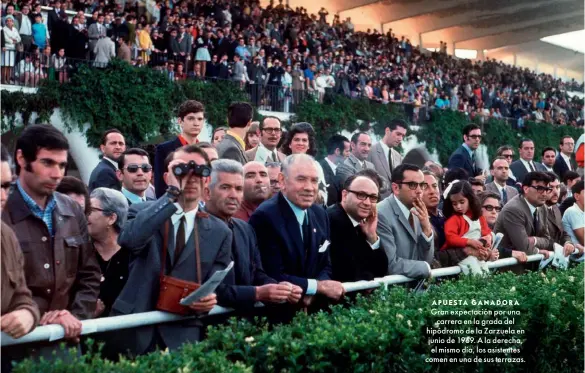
(270, 133)
(191, 119)
(355, 246)
(293, 233)
(104, 174)
(135, 172)
(256, 189)
(247, 283)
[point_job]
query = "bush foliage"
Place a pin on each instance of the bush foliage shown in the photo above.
(383, 332)
(142, 104)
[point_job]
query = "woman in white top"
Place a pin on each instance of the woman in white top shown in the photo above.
(59, 63)
(11, 38)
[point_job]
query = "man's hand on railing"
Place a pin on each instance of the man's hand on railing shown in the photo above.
(331, 289)
(520, 256)
(545, 253)
(64, 318)
(17, 323)
(568, 248)
(204, 304)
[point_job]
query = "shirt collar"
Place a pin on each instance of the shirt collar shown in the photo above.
(111, 161)
(468, 149)
(331, 164)
(526, 163)
(532, 208)
(238, 138)
(566, 157)
(299, 213)
(133, 198)
(179, 214)
(30, 202)
(354, 222)
(403, 208)
(385, 148)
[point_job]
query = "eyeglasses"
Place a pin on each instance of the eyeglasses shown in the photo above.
(475, 137)
(541, 189)
(362, 196)
(412, 185)
(272, 130)
(6, 186)
(133, 168)
(508, 155)
(94, 209)
(491, 208)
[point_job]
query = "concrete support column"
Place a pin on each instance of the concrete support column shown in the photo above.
(480, 55)
(536, 67)
(453, 49)
(420, 42)
(555, 72)
(515, 60)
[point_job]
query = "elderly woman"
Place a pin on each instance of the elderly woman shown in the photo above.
(19, 312)
(108, 212)
(301, 140)
(11, 38)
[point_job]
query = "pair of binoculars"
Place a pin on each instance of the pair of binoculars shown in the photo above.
(181, 170)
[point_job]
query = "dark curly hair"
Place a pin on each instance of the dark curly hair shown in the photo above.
(302, 127)
(464, 188)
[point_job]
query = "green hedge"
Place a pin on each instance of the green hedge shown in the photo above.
(142, 103)
(383, 332)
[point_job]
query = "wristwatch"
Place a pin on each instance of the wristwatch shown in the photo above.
(173, 192)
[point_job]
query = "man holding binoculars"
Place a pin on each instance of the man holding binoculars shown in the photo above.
(172, 242)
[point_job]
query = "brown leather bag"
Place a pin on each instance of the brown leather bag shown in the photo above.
(173, 289)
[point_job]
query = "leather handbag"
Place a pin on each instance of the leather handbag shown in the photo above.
(173, 289)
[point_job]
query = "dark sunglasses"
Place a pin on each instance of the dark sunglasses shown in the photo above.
(491, 208)
(362, 196)
(475, 137)
(133, 168)
(6, 186)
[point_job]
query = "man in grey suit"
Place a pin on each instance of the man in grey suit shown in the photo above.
(185, 46)
(239, 120)
(404, 225)
(143, 236)
(104, 51)
(96, 31)
(523, 220)
(361, 144)
(266, 151)
(525, 164)
(384, 156)
(500, 171)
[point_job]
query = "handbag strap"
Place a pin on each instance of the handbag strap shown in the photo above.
(197, 248)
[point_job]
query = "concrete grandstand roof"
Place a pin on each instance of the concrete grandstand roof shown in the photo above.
(466, 24)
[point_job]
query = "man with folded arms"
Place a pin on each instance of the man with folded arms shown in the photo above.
(247, 283)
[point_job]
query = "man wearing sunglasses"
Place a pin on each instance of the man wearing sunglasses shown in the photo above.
(464, 156)
(404, 225)
(355, 246)
(135, 173)
(523, 220)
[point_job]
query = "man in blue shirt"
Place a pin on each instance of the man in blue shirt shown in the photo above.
(135, 173)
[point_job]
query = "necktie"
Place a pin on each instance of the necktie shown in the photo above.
(504, 195)
(531, 166)
(180, 239)
(390, 160)
(274, 157)
(411, 221)
(306, 236)
(535, 221)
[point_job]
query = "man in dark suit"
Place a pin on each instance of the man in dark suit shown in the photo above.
(135, 173)
(338, 149)
(525, 164)
(104, 174)
(564, 161)
(191, 120)
(555, 218)
(247, 283)
(355, 246)
(239, 120)
(144, 236)
(293, 232)
(464, 156)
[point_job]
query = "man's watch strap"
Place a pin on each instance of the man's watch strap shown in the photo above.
(173, 192)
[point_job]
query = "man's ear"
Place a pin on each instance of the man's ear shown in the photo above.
(119, 175)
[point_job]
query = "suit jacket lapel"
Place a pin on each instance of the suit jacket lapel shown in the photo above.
(312, 252)
(402, 218)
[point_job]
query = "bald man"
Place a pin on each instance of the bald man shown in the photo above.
(256, 189)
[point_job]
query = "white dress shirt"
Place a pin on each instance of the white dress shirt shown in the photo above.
(527, 165)
(25, 26)
(567, 161)
(189, 222)
(111, 161)
(332, 165)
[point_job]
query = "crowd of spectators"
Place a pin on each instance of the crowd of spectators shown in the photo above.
(144, 232)
(280, 54)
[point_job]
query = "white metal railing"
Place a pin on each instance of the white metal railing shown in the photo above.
(106, 324)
